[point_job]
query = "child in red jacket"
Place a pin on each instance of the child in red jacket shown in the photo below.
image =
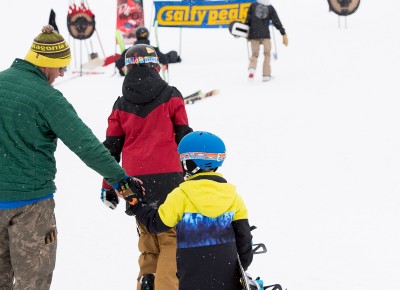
(144, 128)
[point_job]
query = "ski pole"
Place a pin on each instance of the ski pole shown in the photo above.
(248, 50)
(274, 54)
(180, 41)
(157, 44)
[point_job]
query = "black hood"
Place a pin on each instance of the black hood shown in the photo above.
(142, 41)
(142, 85)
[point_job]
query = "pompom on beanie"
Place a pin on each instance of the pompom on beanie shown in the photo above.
(49, 49)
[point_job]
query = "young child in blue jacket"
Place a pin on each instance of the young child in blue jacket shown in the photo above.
(209, 215)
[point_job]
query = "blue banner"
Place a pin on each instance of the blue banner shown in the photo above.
(201, 13)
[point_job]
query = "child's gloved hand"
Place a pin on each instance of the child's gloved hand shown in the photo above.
(131, 190)
(109, 197)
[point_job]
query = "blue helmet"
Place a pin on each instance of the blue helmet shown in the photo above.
(205, 149)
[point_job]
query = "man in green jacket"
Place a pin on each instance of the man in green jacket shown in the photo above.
(33, 115)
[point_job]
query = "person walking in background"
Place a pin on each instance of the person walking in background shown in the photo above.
(259, 16)
(210, 216)
(142, 37)
(33, 115)
(145, 127)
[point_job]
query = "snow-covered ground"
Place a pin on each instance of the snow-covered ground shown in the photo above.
(315, 152)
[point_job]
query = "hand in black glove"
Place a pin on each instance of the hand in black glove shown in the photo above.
(109, 197)
(131, 190)
(178, 59)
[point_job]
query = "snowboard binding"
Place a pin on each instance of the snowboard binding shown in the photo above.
(257, 284)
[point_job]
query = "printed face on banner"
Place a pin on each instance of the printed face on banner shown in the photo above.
(130, 16)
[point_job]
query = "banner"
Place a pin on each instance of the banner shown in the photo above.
(129, 17)
(201, 13)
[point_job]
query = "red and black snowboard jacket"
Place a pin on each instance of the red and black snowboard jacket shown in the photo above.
(145, 127)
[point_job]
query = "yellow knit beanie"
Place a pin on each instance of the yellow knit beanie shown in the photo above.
(49, 49)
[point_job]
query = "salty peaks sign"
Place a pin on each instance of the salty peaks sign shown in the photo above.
(200, 14)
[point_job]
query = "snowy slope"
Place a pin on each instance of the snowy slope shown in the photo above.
(315, 153)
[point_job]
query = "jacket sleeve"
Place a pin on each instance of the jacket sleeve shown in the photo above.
(149, 218)
(248, 17)
(166, 216)
(162, 58)
(276, 21)
(115, 135)
(243, 235)
(179, 117)
(63, 120)
(243, 241)
(120, 63)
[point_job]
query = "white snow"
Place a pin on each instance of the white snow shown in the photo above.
(314, 152)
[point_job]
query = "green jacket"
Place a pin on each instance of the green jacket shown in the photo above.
(33, 115)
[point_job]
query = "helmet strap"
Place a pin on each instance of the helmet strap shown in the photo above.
(189, 172)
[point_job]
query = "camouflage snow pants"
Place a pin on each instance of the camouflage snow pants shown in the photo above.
(28, 242)
(158, 256)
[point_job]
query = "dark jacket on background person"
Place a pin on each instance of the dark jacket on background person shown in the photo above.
(145, 126)
(163, 58)
(259, 17)
(212, 229)
(32, 119)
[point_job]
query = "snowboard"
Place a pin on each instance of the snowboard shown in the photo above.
(239, 29)
(248, 283)
(244, 279)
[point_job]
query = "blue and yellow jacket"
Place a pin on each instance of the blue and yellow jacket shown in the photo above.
(212, 229)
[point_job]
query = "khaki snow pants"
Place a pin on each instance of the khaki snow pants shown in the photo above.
(28, 242)
(255, 49)
(158, 256)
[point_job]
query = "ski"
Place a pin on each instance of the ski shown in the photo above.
(192, 95)
(75, 74)
(191, 99)
(99, 62)
(111, 59)
(64, 80)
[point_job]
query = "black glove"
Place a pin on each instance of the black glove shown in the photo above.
(131, 190)
(132, 209)
(178, 59)
(109, 197)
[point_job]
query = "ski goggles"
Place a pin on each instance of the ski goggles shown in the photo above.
(202, 156)
(142, 60)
